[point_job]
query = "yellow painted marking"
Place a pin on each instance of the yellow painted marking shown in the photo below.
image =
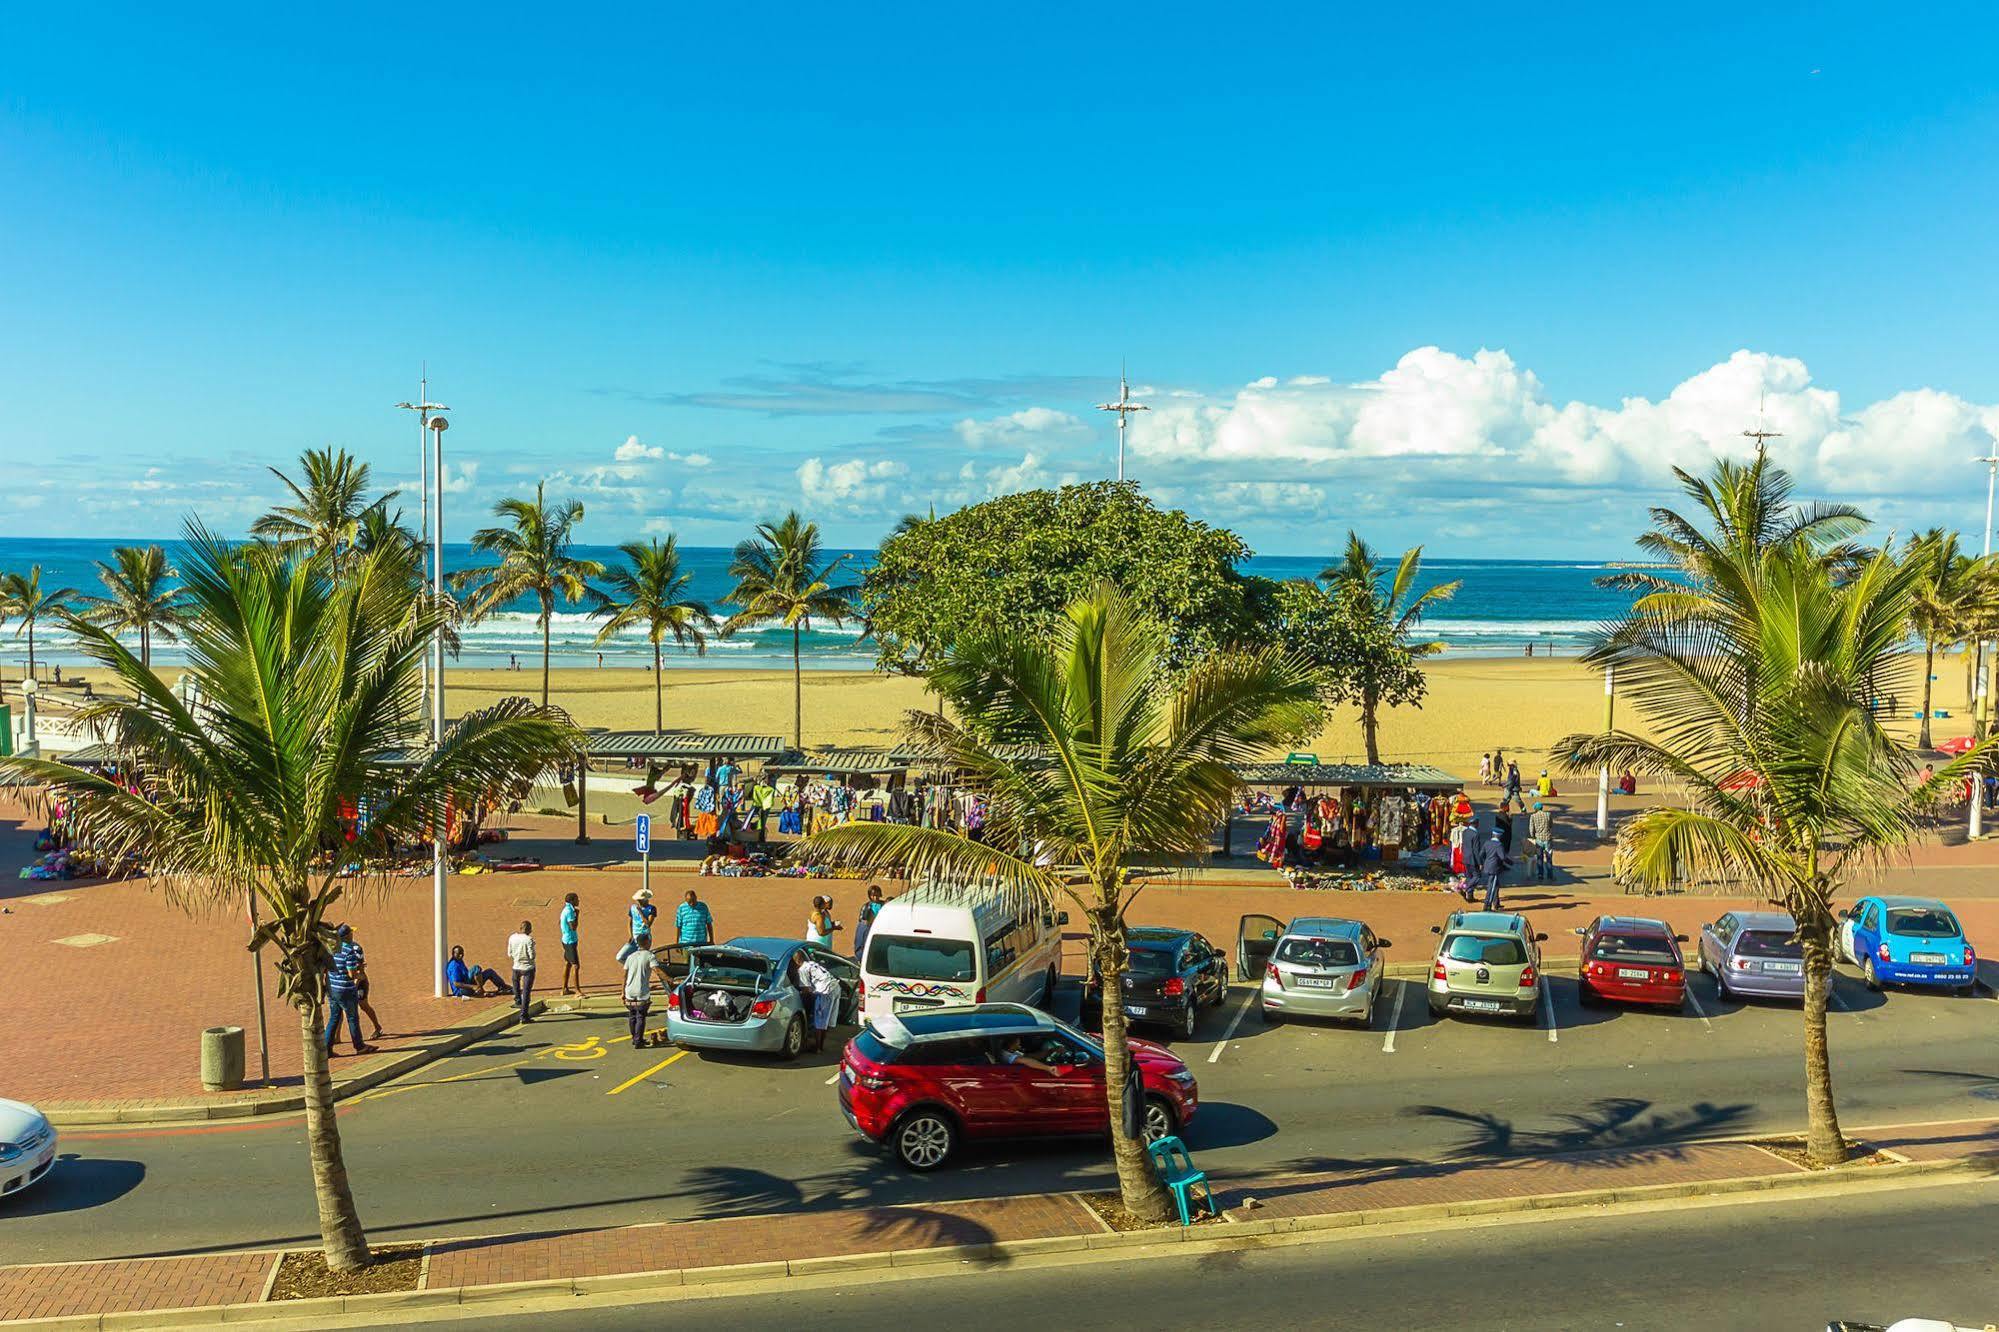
(590, 1048)
(633, 1082)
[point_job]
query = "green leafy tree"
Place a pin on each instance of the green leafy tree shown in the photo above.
(530, 558)
(327, 506)
(1382, 651)
(783, 578)
(649, 592)
(1018, 561)
(23, 597)
(140, 597)
(1360, 658)
(1096, 755)
(303, 688)
(1955, 595)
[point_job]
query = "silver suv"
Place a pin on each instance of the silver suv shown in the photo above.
(1486, 962)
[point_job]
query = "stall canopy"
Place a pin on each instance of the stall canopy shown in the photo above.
(681, 745)
(846, 762)
(1390, 775)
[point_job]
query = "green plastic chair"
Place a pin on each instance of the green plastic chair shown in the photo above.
(1176, 1171)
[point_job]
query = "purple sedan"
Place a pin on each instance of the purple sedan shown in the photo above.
(1754, 953)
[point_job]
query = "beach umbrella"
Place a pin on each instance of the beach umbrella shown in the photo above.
(1741, 781)
(1960, 745)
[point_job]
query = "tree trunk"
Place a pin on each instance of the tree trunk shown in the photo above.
(340, 1232)
(797, 694)
(658, 691)
(31, 648)
(1370, 729)
(1929, 669)
(547, 613)
(1825, 1145)
(146, 646)
(1138, 1182)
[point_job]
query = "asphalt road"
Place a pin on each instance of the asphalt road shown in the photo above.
(539, 1127)
(1897, 1254)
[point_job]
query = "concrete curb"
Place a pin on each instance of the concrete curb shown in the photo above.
(181, 1111)
(1237, 1233)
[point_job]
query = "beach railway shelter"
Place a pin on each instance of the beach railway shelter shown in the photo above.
(1368, 778)
(663, 747)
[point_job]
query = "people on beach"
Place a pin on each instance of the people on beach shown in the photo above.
(693, 921)
(520, 952)
(641, 964)
(1484, 769)
(1544, 785)
(1628, 783)
(344, 975)
(1541, 834)
(1498, 767)
(572, 962)
(1513, 782)
(464, 980)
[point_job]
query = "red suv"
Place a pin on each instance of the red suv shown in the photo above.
(924, 1082)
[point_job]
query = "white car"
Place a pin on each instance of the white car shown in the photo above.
(27, 1146)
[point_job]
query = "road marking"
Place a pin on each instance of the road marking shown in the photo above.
(633, 1082)
(1394, 1018)
(1832, 996)
(830, 1081)
(588, 1048)
(1699, 1012)
(1548, 1005)
(1234, 1023)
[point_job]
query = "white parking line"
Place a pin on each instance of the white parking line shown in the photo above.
(1394, 1018)
(1699, 1012)
(1832, 996)
(1548, 1005)
(830, 1081)
(1242, 1010)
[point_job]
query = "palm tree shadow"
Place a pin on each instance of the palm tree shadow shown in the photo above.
(855, 1191)
(1627, 1126)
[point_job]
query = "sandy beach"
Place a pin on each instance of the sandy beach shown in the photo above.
(1474, 704)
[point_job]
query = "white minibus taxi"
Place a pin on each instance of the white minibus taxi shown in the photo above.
(944, 944)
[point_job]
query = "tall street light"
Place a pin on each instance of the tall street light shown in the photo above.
(440, 948)
(1124, 407)
(1977, 824)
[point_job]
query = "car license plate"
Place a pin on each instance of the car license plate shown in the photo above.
(1316, 982)
(914, 1005)
(1783, 968)
(1136, 1010)
(1633, 973)
(1927, 959)
(1481, 1005)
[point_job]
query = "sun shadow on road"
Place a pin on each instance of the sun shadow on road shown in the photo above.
(77, 1183)
(1623, 1124)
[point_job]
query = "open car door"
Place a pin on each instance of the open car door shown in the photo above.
(1255, 940)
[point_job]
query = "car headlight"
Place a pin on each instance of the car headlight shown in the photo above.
(11, 1152)
(1182, 1076)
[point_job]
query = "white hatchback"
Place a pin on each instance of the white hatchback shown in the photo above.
(27, 1146)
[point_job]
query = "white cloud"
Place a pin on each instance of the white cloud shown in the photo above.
(853, 486)
(1015, 427)
(633, 451)
(1487, 411)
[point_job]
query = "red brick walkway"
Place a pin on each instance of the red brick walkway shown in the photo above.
(153, 1284)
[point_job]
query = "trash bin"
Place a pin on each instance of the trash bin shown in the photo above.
(221, 1058)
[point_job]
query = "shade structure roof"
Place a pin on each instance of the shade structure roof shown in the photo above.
(1379, 775)
(845, 762)
(681, 745)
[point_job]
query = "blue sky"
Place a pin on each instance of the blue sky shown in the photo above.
(1465, 276)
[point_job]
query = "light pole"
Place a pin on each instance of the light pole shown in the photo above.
(1981, 702)
(1124, 407)
(1603, 773)
(441, 948)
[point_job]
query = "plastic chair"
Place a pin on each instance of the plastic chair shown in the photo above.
(1176, 1171)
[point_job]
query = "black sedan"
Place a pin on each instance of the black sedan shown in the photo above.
(1173, 975)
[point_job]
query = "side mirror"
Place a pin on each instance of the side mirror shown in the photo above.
(1680, 938)
(1578, 930)
(1540, 938)
(1436, 929)
(1269, 935)
(1380, 944)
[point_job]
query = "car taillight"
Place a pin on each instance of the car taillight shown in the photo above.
(860, 990)
(673, 1000)
(1356, 980)
(763, 1007)
(1527, 977)
(1174, 988)
(1970, 958)
(1437, 972)
(1742, 964)
(1274, 974)
(869, 1081)
(1882, 952)
(980, 997)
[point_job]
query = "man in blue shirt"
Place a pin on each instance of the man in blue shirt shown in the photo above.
(725, 774)
(466, 981)
(643, 912)
(343, 992)
(694, 921)
(572, 965)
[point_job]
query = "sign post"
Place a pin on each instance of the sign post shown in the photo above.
(642, 838)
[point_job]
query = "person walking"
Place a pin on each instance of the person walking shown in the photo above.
(572, 962)
(869, 910)
(1541, 833)
(1502, 823)
(641, 965)
(361, 990)
(816, 982)
(344, 975)
(694, 922)
(820, 925)
(520, 952)
(1513, 782)
(643, 913)
(1498, 767)
(1485, 769)
(1492, 863)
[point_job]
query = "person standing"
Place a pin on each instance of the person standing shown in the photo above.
(1541, 832)
(1513, 782)
(344, 975)
(1498, 767)
(361, 990)
(1485, 769)
(1492, 863)
(1502, 823)
(817, 985)
(694, 922)
(520, 952)
(572, 962)
(820, 925)
(642, 914)
(725, 775)
(869, 910)
(641, 964)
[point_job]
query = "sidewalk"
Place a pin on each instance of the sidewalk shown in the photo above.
(749, 1247)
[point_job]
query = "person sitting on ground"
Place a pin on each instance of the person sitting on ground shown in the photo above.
(1544, 785)
(465, 981)
(1628, 783)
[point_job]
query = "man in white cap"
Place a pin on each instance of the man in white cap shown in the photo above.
(643, 912)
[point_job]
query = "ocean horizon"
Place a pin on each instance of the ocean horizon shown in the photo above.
(1502, 607)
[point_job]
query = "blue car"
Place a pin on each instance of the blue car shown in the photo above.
(1908, 941)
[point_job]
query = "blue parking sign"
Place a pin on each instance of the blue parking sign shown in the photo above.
(643, 834)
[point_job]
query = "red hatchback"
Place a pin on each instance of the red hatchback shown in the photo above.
(924, 1082)
(1629, 960)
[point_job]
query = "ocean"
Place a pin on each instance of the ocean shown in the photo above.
(1503, 606)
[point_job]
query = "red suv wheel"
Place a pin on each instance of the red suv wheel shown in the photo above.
(924, 1139)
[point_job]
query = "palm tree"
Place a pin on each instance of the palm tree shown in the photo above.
(1093, 754)
(1955, 594)
(378, 527)
(303, 687)
(1756, 677)
(1392, 608)
(140, 597)
(649, 591)
(530, 559)
(23, 597)
(781, 579)
(326, 511)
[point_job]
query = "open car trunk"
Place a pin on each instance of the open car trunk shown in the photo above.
(722, 983)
